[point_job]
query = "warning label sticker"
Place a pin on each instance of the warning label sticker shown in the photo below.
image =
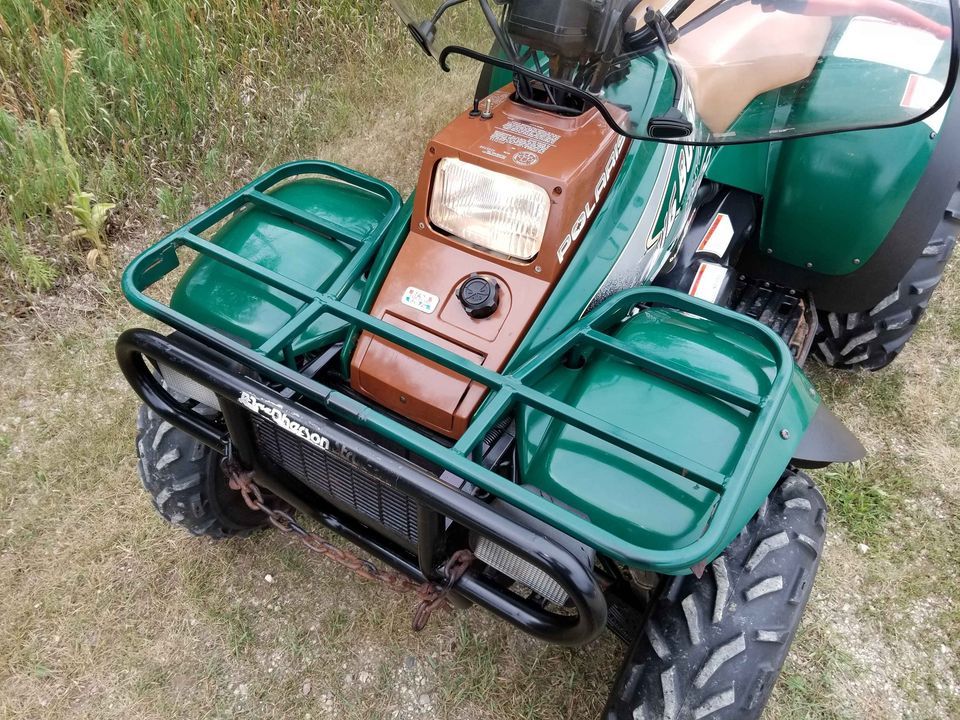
(499, 155)
(922, 93)
(531, 131)
(718, 237)
(504, 138)
(709, 281)
(526, 137)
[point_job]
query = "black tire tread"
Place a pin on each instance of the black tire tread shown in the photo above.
(180, 474)
(713, 647)
(873, 338)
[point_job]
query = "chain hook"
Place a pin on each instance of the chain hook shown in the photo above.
(432, 595)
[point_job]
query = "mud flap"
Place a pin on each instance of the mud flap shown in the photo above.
(827, 440)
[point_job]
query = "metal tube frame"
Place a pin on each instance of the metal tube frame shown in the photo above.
(136, 347)
(506, 391)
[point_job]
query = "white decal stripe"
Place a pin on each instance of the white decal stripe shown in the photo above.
(636, 247)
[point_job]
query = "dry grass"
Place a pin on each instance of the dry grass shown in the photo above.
(108, 613)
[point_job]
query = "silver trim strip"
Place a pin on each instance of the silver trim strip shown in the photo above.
(626, 270)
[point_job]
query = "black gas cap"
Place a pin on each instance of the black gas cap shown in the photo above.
(479, 296)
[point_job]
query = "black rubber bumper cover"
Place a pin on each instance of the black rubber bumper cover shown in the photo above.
(135, 346)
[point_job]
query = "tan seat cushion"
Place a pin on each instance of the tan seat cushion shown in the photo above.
(741, 54)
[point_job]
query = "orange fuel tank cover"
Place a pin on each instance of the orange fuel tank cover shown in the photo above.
(575, 160)
(412, 386)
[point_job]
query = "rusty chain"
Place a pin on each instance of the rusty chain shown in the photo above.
(432, 596)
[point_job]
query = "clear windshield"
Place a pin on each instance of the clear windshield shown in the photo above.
(701, 71)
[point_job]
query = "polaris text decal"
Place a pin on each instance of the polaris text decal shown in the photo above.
(590, 207)
(273, 412)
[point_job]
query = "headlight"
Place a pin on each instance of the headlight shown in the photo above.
(179, 383)
(516, 568)
(492, 210)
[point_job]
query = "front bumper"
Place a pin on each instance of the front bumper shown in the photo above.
(414, 512)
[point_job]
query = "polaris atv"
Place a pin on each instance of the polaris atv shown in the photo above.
(562, 380)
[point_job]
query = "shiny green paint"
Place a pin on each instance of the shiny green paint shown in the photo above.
(743, 166)
(510, 391)
(272, 322)
(640, 502)
(232, 302)
(834, 199)
(831, 201)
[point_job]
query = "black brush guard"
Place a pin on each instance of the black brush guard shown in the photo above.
(413, 551)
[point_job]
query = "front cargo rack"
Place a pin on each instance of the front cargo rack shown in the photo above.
(507, 391)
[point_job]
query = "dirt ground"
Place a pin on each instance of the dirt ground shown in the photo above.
(109, 613)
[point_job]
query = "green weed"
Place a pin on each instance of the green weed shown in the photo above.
(29, 272)
(863, 497)
(89, 216)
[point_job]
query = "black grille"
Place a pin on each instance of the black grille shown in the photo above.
(352, 489)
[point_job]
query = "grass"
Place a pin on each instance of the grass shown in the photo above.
(165, 93)
(864, 497)
(801, 693)
(26, 269)
(108, 613)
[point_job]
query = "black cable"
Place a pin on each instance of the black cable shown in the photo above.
(674, 68)
(505, 42)
(549, 107)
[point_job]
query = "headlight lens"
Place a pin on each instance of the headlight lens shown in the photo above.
(179, 383)
(495, 211)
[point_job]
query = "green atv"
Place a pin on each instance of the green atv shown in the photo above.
(562, 380)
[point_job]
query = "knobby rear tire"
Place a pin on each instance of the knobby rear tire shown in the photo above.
(714, 646)
(873, 338)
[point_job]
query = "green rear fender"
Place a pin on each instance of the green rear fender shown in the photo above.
(639, 501)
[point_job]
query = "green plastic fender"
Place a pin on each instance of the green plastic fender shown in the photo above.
(831, 201)
(632, 500)
(250, 311)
